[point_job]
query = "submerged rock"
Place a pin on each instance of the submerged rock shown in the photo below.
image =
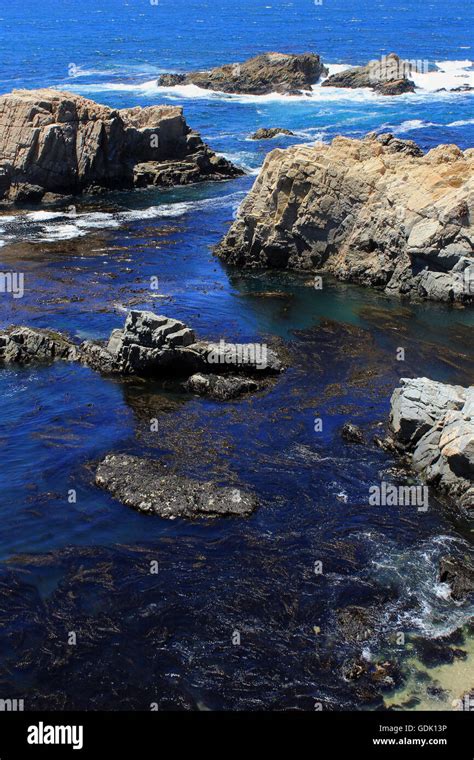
(268, 133)
(374, 211)
(220, 387)
(458, 573)
(149, 487)
(434, 422)
(357, 623)
(60, 143)
(261, 75)
(387, 76)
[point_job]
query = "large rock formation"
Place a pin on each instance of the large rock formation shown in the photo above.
(59, 143)
(261, 75)
(149, 487)
(155, 346)
(434, 422)
(374, 211)
(387, 76)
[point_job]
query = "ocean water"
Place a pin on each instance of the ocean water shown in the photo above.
(84, 566)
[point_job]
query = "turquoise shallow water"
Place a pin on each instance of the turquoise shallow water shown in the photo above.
(84, 564)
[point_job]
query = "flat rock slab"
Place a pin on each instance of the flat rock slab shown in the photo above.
(149, 487)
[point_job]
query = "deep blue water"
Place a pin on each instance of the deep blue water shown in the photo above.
(84, 564)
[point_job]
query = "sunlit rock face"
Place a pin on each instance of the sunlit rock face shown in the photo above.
(374, 211)
(55, 142)
(435, 423)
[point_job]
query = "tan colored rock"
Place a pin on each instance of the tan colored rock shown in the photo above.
(374, 211)
(59, 142)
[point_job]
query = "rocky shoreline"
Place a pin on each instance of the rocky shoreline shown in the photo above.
(434, 424)
(375, 212)
(57, 144)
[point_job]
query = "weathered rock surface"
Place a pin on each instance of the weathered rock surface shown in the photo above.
(261, 75)
(24, 345)
(155, 346)
(458, 573)
(149, 487)
(387, 76)
(221, 387)
(435, 424)
(352, 433)
(61, 143)
(374, 211)
(268, 133)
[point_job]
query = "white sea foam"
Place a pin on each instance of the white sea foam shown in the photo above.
(67, 225)
(461, 123)
(447, 74)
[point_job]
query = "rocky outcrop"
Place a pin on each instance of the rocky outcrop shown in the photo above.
(26, 345)
(261, 75)
(155, 346)
(268, 133)
(374, 211)
(434, 423)
(149, 487)
(352, 433)
(387, 76)
(60, 143)
(458, 573)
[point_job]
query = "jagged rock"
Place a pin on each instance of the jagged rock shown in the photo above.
(374, 211)
(435, 424)
(61, 143)
(148, 486)
(153, 346)
(268, 133)
(220, 387)
(387, 76)
(458, 573)
(352, 433)
(25, 345)
(261, 75)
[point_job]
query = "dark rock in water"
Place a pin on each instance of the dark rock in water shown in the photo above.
(357, 623)
(155, 346)
(268, 133)
(434, 422)
(25, 345)
(261, 75)
(435, 652)
(352, 433)
(458, 574)
(149, 487)
(171, 80)
(54, 143)
(220, 387)
(387, 76)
